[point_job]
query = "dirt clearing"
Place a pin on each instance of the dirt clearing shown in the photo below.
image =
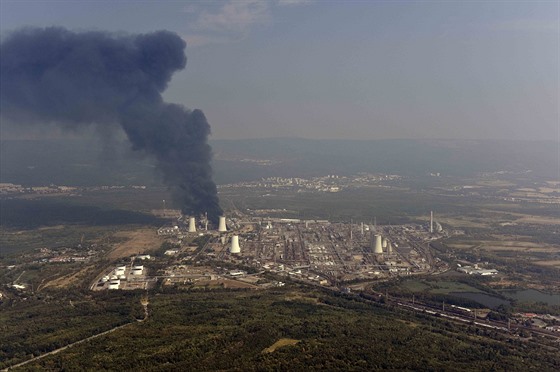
(280, 343)
(138, 241)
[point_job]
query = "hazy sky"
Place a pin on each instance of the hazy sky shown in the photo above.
(346, 69)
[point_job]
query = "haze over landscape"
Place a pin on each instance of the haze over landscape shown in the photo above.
(351, 70)
(279, 185)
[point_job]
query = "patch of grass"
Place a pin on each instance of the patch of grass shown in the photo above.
(280, 343)
(448, 287)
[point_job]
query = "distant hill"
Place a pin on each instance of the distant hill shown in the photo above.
(84, 162)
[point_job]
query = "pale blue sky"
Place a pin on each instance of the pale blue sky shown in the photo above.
(346, 69)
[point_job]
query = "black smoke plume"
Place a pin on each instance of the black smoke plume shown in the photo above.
(53, 75)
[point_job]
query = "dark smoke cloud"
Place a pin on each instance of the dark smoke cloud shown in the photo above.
(53, 75)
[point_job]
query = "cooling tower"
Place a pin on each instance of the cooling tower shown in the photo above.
(389, 248)
(384, 242)
(378, 249)
(192, 225)
(235, 248)
(222, 225)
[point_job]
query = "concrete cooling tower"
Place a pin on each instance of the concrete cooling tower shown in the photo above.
(192, 225)
(222, 225)
(235, 248)
(378, 248)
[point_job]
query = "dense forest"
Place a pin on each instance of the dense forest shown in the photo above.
(317, 330)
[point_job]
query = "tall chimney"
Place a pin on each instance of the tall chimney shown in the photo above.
(431, 222)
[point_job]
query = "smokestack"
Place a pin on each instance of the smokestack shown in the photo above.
(222, 226)
(377, 248)
(235, 248)
(113, 82)
(192, 225)
(431, 222)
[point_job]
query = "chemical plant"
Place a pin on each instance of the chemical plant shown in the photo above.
(315, 251)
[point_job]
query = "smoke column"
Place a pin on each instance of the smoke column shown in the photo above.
(53, 75)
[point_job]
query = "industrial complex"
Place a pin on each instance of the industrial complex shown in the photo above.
(316, 251)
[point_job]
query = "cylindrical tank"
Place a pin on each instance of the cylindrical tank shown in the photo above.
(235, 248)
(192, 224)
(222, 225)
(378, 248)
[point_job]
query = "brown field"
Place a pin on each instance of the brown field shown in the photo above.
(225, 283)
(458, 222)
(519, 249)
(139, 241)
(549, 263)
(538, 220)
(514, 246)
(237, 284)
(66, 280)
(280, 343)
(530, 195)
(57, 227)
(495, 183)
(463, 245)
(548, 190)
